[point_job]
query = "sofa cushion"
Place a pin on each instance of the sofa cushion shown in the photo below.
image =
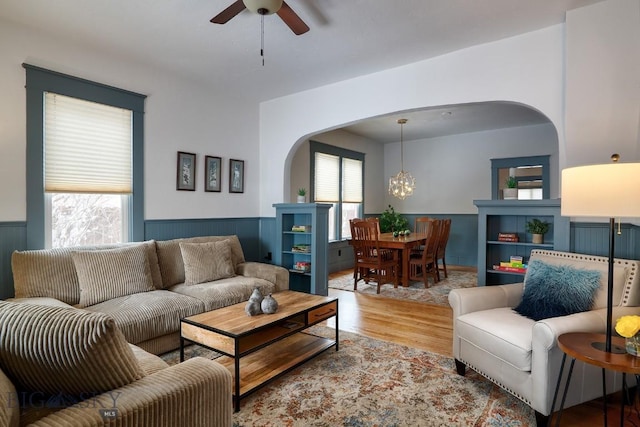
(170, 257)
(52, 273)
(224, 292)
(148, 315)
(111, 273)
(557, 290)
(53, 350)
(206, 262)
(507, 334)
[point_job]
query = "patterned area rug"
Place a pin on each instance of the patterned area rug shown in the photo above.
(376, 383)
(434, 294)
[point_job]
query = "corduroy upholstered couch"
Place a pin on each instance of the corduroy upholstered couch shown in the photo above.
(143, 289)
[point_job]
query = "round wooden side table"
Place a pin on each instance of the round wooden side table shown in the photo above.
(578, 346)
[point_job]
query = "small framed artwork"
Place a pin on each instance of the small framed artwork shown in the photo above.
(186, 171)
(236, 176)
(212, 173)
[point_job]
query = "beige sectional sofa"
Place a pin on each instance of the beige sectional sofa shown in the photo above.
(140, 291)
(148, 312)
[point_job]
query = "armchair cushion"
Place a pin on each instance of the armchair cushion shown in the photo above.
(502, 330)
(557, 290)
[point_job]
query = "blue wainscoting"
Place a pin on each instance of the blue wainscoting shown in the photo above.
(13, 237)
(593, 239)
(257, 236)
(247, 230)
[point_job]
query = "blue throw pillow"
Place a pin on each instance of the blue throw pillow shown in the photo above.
(557, 290)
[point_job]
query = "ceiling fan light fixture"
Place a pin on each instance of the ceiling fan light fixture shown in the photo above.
(263, 7)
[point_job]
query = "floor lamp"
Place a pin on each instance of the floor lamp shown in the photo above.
(604, 191)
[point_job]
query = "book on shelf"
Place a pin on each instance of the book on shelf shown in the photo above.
(522, 269)
(508, 237)
(301, 228)
(302, 248)
(302, 266)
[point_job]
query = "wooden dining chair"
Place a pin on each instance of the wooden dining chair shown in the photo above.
(423, 265)
(421, 225)
(442, 246)
(372, 263)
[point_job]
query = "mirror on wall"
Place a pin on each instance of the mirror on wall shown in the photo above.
(520, 178)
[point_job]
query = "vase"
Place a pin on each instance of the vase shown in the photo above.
(632, 345)
(510, 193)
(302, 199)
(269, 305)
(537, 238)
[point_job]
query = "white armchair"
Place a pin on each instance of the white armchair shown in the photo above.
(521, 355)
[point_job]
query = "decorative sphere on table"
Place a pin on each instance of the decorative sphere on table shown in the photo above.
(395, 233)
(407, 232)
(269, 305)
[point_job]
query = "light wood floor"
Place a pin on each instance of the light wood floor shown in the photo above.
(429, 327)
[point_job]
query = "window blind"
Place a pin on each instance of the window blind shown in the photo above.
(351, 180)
(327, 178)
(87, 146)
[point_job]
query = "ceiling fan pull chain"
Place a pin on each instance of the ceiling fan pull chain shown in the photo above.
(262, 38)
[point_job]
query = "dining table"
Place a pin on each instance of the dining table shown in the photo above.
(403, 244)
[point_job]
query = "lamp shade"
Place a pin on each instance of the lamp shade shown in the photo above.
(608, 190)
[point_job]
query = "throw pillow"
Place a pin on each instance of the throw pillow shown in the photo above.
(557, 290)
(63, 351)
(111, 273)
(206, 262)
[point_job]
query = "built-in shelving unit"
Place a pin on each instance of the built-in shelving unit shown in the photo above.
(291, 246)
(511, 216)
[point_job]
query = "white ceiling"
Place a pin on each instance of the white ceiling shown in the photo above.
(348, 38)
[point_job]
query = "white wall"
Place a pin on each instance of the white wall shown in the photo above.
(180, 115)
(527, 69)
(374, 178)
(452, 171)
(603, 82)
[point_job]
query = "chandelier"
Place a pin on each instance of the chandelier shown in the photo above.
(402, 184)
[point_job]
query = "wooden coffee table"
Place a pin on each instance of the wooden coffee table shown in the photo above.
(258, 349)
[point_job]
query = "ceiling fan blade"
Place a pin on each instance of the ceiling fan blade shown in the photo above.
(292, 19)
(224, 16)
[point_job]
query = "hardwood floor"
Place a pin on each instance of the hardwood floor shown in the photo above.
(429, 327)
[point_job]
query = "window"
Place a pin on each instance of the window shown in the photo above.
(84, 162)
(87, 171)
(337, 177)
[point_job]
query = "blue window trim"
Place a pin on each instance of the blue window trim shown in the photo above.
(320, 147)
(40, 80)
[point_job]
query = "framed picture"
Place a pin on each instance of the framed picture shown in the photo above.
(236, 176)
(212, 173)
(186, 171)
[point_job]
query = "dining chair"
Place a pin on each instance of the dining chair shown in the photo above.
(372, 262)
(423, 265)
(442, 246)
(421, 225)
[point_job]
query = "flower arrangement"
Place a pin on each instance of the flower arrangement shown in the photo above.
(628, 326)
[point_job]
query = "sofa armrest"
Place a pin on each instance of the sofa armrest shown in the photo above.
(275, 274)
(468, 300)
(48, 301)
(194, 393)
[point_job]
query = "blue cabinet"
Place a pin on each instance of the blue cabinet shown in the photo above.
(511, 216)
(302, 238)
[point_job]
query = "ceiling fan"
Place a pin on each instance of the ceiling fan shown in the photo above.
(264, 7)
